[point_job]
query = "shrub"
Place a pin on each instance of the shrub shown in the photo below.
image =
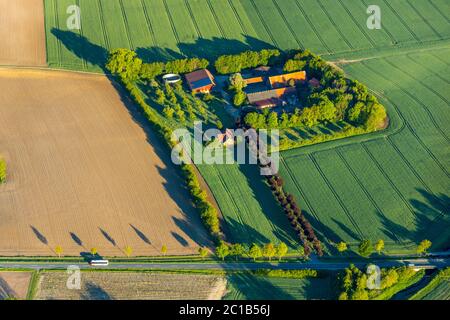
(2, 170)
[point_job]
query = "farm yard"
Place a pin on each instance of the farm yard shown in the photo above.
(83, 173)
(131, 286)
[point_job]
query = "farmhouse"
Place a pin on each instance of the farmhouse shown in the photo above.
(200, 81)
(266, 89)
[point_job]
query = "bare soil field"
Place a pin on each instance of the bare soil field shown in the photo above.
(131, 285)
(84, 171)
(22, 33)
(14, 284)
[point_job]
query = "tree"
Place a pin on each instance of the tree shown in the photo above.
(237, 83)
(239, 98)
(255, 252)
(365, 248)
(125, 63)
(94, 251)
(128, 251)
(164, 249)
(272, 120)
(168, 112)
(379, 246)
(222, 251)
(269, 251)
(341, 246)
(59, 251)
(281, 250)
(237, 250)
(2, 171)
(423, 246)
(203, 252)
(219, 124)
(294, 65)
(150, 70)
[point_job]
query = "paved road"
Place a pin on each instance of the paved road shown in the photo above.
(430, 263)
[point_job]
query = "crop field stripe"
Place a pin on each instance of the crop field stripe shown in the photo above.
(313, 27)
(386, 176)
(423, 83)
(439, 11)
(402, 21)
(125, 24)
(211, 9)
(424, 107)
(425, 147)
(149, 24)
(339, 200)
(102, 22)
(264, 23)
(363, 31)
(194, 22)
(288, 25)
(84, 62)
(335, 25)
(436, 74)
(391, 36)
(423, 18)
(361, 186)
(297, 185)
(230, 4)
(169, 15)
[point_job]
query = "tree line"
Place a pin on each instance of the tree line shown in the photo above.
(227, 64)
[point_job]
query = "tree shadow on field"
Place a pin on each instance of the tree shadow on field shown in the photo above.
(76, 239)
(186, 226)
(95, 292)
(107, 236)
(180, 239)
(39, 235)
(141, 235)
(5, 290)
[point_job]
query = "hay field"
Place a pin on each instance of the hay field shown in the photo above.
(83, 173)
(14, 284)
(22, 33)
(132, 285)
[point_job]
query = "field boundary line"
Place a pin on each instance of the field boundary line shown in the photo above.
(423, 19)
(361, 185)
(194, 21)
(125, 24)
(424, 107)
(411, 129)
(402, 21)
(102, 23)
(339, 200)
(169, 16)
(357, 24)
(439, 10)
(312, 26)
(288, 25)
(258, 13)
(149, 24)
(335, 25)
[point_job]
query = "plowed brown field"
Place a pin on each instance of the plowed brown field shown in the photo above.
(22, 33)
(84, 171)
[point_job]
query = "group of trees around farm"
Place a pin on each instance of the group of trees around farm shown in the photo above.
(336, 99)
(227, 64)
(354, 283)
(297, 219)
(126, 64)
(255, 251)
(2, 170)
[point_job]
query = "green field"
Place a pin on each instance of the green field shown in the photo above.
(161, 29)
(392, 185)
(247, 286)
(437, 289)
